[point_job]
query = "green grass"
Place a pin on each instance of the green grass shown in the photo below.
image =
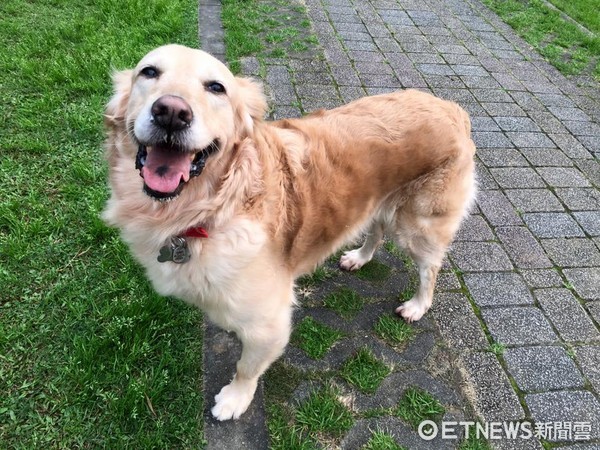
(284, 434)
(90, 356)
(568, 48)
(364, 371)
(317, 277)
(584, 12)
(394, 330)
(344, 301)
(497, 348)
(374, 271)
(381, 441)
(323, 412)
(264, 29)
(314, 338)
(417, 405)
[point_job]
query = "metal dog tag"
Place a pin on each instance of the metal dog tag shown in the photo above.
(176, 251)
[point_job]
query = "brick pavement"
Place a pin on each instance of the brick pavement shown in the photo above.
(524, 271)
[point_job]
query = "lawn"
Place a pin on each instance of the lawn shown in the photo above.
(89, 355)
(566, 46)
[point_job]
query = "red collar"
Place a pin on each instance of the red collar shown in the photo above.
(195, 232)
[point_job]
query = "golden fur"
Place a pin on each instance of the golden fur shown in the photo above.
(278, 198)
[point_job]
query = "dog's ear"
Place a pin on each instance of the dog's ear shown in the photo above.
(117, 106)
(252, 107)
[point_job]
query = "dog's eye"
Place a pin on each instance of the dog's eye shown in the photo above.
(216, 87)
(150, 72)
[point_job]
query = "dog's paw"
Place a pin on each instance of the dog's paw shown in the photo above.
(353, 260)
(412, 310)
(233, 400)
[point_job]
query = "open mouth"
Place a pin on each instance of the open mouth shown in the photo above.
(166, 168)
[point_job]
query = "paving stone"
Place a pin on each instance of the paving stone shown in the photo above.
(523, 248)
(585, 281)
(493, 397)
(534, 200)
(566, 314)
(498, 289)
(474, 228)
(351, 93)
(447, 281)
(591, 169)
(552, 225)
(563, 177)
(547, 122)
(529, 139)
(542, 278)
(579, 128)
(492, 95)
(345, 76)
(474, 82)
(588, 357)
(542, 368)
(589, 221)
(594, 309)
(546, 157)
(372, 68)
(483, 123)
(519, 325)
(285, 112)
(480, 257)
(457, 322)
(517, 177)
(508, 82)
(486, 139)
(573, 252)
(568, 113)
(579, 447)
(502, 157)
(580, 199)
(516, 124)
(497, 209)
(570, 145)
(565, 406)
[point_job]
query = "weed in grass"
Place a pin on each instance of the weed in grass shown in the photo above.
(314, 338)
(381, 441)
(394, 330)
(497, 348)
(417, 405)
(364, 371)
(345, 301)
(374, 271)
(283, 433)
(323, 412)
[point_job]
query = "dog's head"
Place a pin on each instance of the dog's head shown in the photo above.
(177, 109)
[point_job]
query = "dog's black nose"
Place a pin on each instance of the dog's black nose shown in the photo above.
(172, 113)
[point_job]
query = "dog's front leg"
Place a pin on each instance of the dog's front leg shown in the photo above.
(262, 343)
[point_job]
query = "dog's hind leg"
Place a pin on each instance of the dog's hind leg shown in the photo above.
(355, 259)
(428, 259)
(262, 344)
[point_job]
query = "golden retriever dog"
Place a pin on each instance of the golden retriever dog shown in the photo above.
(225, 210)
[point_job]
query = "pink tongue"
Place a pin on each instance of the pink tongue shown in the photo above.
(164, 169)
